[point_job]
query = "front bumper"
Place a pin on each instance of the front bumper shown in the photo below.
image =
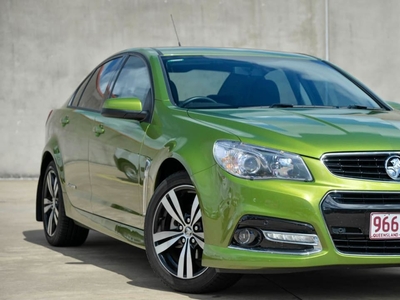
(240, 261)
(226, 200)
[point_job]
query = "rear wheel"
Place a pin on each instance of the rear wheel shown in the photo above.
(58, 228)
(174, 239)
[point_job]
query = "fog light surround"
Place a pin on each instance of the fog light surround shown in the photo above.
(247, 237)
(294, 238)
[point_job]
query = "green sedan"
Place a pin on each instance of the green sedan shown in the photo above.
(221, 162)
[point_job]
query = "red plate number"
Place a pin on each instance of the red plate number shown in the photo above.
(384, 226)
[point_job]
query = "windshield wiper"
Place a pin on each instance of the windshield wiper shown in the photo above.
(357, 107)
(362, 107)
(282, 105)
(288, 105)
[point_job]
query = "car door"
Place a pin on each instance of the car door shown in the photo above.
(78, 121)
(74, 148)
(114, 151)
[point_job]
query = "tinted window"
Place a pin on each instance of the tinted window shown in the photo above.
(98, 87)
(284, 88)
(198, 82)
(133, 81)
(268, 81)
(79, 92)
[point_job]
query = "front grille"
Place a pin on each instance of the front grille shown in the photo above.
(358, 165)
(366, 198)
(347, 216)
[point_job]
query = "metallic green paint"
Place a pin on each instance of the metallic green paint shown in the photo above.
(129, 104)
(312, 132)
(107, 200)
(119, 231)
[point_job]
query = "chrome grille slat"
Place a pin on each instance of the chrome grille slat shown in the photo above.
(367, 198)
(362, 165)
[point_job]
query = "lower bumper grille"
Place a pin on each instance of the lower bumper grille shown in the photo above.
(361, 244)
(348, 220)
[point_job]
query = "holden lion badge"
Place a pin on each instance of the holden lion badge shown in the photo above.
(392, 166)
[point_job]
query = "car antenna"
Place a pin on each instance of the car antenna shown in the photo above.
(177, 37)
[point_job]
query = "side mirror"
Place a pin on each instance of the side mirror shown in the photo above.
(124, 108)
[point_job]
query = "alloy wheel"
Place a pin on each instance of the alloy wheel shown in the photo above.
(51, 203)
(178, 236)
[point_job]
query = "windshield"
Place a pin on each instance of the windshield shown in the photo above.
(237, 81)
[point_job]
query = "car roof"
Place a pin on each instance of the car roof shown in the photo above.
(178, 51)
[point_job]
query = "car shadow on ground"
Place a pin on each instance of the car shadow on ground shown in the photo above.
(115, 256)
(106, 253)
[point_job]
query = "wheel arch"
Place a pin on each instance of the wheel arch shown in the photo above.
(157, 174)
(168, 167)
(46, 159)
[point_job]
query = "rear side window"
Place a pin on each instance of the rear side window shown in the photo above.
(79, 92)
(98, 86)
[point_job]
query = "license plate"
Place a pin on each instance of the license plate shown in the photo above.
(384, 226)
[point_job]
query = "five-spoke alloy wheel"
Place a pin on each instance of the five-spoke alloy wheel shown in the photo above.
(51, 202)
(178, 236)
(58, 228)
(175, 239)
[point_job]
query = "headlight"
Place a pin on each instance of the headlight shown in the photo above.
(252, 162)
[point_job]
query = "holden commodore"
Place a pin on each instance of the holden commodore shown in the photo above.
(221, 162)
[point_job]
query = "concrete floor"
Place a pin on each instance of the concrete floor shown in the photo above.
(104, 268)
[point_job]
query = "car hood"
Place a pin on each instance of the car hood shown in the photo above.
(309, 132)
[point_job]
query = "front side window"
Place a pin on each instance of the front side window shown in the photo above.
(260, 81)
(99, 85)
(105, 75)
(133, 80)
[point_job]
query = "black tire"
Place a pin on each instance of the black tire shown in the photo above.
(58, 228)
(174, 239)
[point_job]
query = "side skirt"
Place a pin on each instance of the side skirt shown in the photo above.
(119, 231)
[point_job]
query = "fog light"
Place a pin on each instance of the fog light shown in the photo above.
(246, 236)
(293, 238)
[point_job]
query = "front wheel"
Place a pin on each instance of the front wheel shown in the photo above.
(174, 239)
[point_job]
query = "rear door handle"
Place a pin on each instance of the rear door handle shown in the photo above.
(99, 129)
(64, 121)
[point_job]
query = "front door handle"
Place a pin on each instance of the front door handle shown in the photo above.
(99, 129)
(64, 121)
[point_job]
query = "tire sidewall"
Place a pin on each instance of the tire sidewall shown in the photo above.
(183, 285)
(55, 238)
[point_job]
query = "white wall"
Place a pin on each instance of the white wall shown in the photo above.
(48, 46)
